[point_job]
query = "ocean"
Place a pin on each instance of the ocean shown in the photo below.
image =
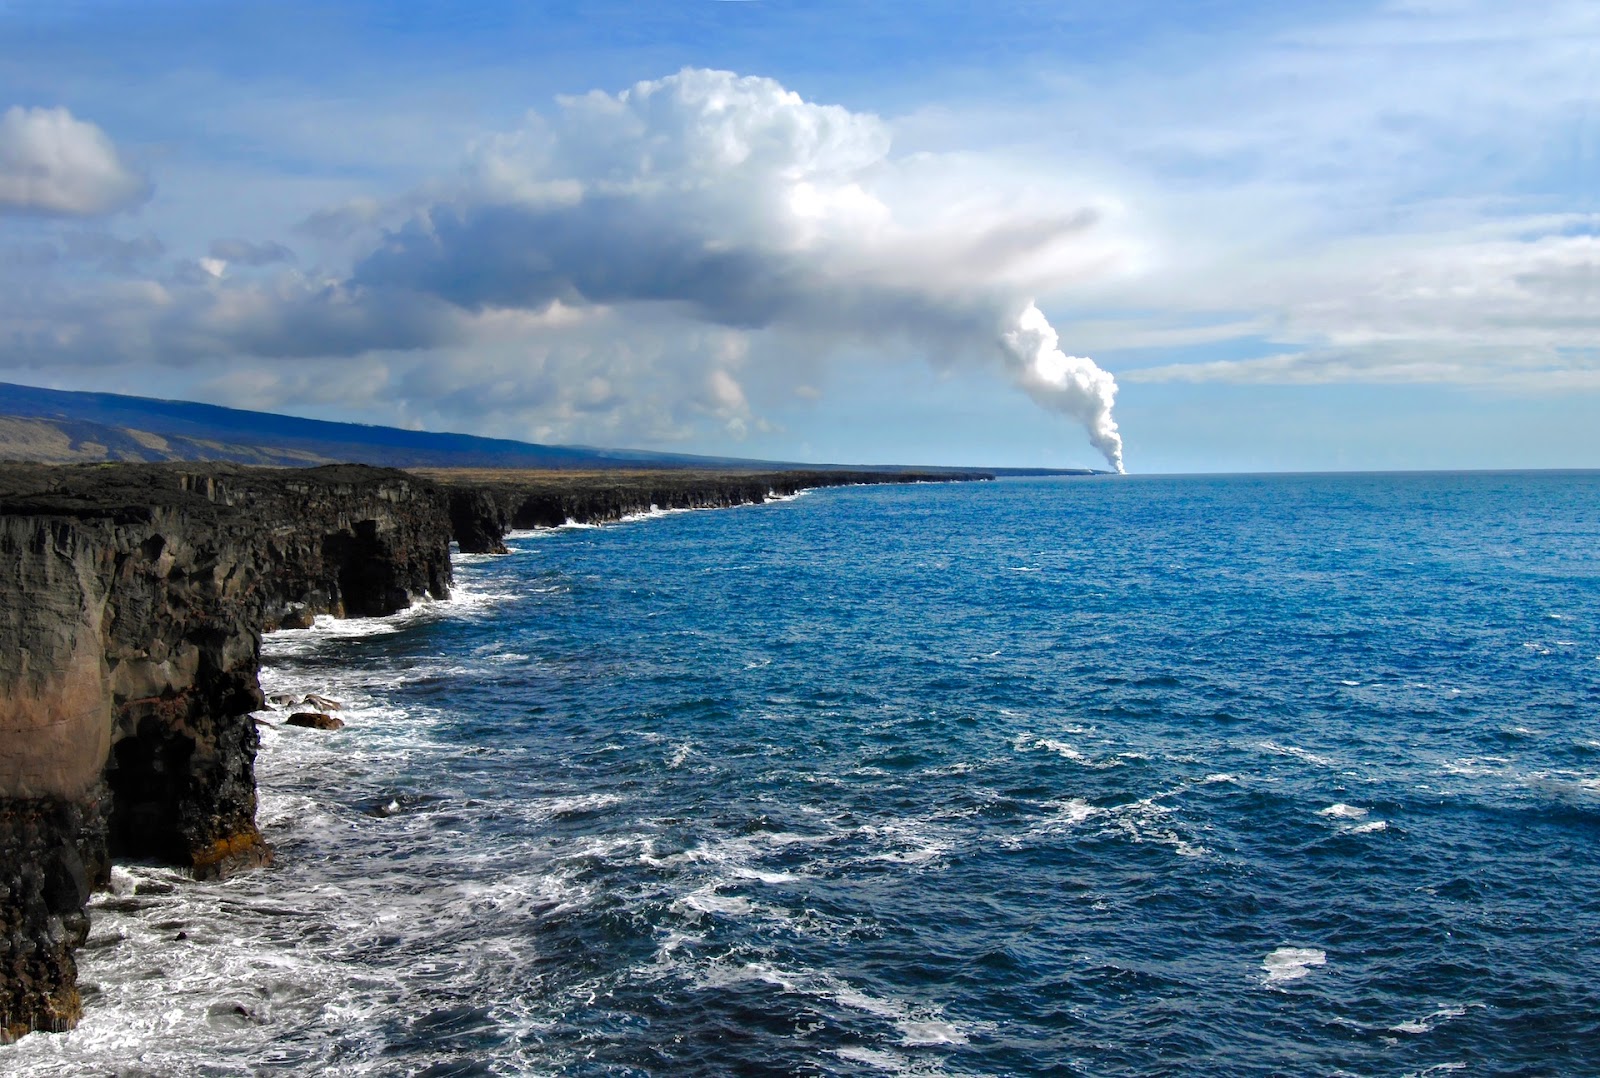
(1243, 775)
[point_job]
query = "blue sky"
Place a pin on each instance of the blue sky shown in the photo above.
(1251, 236)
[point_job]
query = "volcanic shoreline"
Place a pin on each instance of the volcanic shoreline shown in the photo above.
(132, 603)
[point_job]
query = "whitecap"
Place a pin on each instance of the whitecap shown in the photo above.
(1291, 963)
(1060, 748)
(708, 900)
(1295, 751)
(926, 1033)
(1075, 810)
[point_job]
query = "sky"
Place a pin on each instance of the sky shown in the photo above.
(1183, 236)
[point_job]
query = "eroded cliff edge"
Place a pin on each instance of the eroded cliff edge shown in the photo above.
(132, 603)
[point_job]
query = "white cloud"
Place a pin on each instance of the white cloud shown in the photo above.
(732, 201)
(1476, 309)
(53, 163)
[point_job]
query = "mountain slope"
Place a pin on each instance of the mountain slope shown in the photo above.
(58, 426)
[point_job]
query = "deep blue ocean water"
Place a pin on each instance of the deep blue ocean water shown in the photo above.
(1289, 775)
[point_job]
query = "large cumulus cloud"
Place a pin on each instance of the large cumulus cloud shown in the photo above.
(53, 163)
(733, 201)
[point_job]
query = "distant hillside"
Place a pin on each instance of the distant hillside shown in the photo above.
(59, 427)
(53, 426)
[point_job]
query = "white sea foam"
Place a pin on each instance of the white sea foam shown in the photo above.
(1028, 742)
(874, 1057)
(1476, 766)
(908, 841)
(571, 805)
(707, 899)
(1144, 821)
(916, 1025)
(1074, 811)
(1024, 742)
(1428, 1022)
(924, 1033)
(1291, 963)
(1297, 752)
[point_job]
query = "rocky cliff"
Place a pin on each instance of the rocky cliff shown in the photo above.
(132, 599)
(485, 504)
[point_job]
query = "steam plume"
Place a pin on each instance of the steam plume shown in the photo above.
(1071, 385)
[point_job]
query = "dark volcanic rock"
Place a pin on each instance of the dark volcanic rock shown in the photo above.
(486, 504)
(315, 720)
(52, 851)
(132, 599)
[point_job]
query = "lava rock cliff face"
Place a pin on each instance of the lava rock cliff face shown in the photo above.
(132, 599)
(486, 503)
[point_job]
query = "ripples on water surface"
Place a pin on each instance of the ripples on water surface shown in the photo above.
(1236, 776)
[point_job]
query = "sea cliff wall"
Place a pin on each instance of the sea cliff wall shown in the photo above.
(132, 599)
(486, 504)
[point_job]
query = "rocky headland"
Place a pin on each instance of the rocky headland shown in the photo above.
(132, 602)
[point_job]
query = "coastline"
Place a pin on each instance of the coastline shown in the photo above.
(670, 780)
(133, 650)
